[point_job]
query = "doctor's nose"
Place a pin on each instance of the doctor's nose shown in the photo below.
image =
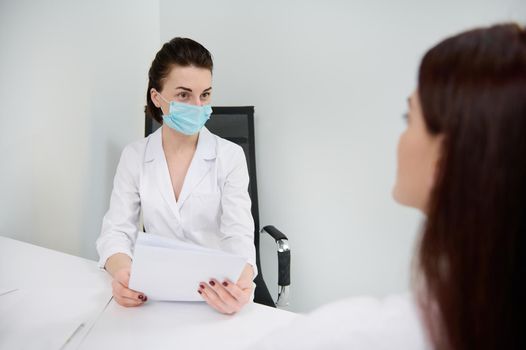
(196, 101)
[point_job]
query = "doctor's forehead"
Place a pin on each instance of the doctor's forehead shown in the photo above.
(190, 77)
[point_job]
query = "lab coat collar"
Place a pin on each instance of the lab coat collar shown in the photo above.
(206, 146)
(199, 167)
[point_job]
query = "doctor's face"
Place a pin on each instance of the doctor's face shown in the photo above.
(191, 85)
(418, 153)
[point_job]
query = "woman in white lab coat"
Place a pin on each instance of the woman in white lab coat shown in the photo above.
(187, 183)
(462, 162)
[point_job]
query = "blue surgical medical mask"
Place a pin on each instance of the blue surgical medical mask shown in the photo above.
(186, 118)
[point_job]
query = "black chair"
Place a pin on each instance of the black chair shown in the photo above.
(236, 124)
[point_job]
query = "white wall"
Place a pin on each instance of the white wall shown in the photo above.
(72, 90)
(329, 80)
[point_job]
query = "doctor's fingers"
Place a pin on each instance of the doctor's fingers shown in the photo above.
(127, 302)
(224, 294)
(212, 299)
(242, 295)
(121, 291)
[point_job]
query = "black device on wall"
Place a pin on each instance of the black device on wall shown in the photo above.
(236, 124)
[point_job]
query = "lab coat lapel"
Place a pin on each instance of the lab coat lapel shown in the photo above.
(158, 169)
(201, 163)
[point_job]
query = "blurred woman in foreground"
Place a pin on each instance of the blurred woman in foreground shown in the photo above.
(462, 162)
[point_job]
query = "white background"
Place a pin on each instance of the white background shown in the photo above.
(329, 80)
(73, 81)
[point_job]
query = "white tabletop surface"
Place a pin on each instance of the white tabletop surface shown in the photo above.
(182, 325)
(52, 300)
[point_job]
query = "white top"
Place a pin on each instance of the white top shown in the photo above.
(354, 323)
(213, 209)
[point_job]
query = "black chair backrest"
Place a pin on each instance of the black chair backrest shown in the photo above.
(236, 124)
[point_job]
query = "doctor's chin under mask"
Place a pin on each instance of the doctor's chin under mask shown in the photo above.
(186, 118)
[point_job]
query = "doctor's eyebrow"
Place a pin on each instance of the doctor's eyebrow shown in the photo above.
(183, 88)
(190, 90)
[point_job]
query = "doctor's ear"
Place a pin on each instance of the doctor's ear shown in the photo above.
(154, 95)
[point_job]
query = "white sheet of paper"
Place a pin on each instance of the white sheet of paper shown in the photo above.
(165, 269)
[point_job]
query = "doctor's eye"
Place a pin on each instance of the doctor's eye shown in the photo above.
(405, 116)
(182, 95)
(205, 95)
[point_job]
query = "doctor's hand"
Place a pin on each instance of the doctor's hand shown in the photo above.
(227, 297)
(119, 266)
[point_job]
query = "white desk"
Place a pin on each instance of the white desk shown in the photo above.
(56, 293)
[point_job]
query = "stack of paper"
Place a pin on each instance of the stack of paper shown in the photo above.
(166, 269)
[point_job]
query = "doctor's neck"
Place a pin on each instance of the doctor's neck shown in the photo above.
(175, 142)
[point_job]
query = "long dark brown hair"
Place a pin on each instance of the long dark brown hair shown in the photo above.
(472, 254)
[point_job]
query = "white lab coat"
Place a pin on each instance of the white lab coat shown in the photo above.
(213, 209)
(361, 323)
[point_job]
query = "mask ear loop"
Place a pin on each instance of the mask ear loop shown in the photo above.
(161, 96)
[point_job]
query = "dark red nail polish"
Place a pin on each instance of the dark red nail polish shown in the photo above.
(202, 286)
(225, 284)
(141, 297)
(212, 283)
(198, 291)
